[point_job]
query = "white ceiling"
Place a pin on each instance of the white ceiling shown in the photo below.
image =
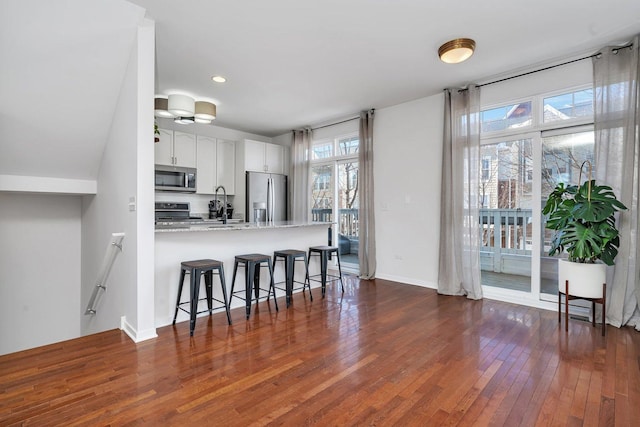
(292, 63)
(289, 63)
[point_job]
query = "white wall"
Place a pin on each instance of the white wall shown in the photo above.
(39, 270)
(407, 147)
(126, 172)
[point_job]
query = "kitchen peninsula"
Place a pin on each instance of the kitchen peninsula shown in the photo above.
(223, 242)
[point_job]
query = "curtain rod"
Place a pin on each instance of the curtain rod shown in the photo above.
(336, 123)
(615, 50)
(341, 121)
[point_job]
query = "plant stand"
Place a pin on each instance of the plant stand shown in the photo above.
(569, 297)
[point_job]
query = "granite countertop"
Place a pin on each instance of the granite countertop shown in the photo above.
(217, 226)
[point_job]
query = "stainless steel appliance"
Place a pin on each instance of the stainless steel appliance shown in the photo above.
(173, 178)
(175, 214)
(270, 189)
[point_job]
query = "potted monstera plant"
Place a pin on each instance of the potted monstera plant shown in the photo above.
(583, 217)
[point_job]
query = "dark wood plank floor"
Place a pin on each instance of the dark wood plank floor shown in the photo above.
(383, 354)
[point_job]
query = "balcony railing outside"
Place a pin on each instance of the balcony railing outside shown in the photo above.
(348, 228)
(506, 241)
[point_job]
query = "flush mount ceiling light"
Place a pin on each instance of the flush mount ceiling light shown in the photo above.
(161, 107)
(218, 79)
(181, 105)
(184, 120)
(184, 110)
(204, 112)
(456, 51)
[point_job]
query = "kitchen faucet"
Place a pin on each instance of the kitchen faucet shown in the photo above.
(224, 205)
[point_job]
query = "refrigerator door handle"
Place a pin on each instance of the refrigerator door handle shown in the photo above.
(273, 200)
(269, 217)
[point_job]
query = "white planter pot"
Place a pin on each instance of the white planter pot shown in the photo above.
(585, 280)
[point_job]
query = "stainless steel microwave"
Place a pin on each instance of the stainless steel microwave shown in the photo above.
(173, 178)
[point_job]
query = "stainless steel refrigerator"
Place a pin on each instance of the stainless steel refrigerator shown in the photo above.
(269, 189)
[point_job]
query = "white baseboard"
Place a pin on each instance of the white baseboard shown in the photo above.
(407, 280)
(136, 336)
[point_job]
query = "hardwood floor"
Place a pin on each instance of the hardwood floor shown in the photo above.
(383, 354)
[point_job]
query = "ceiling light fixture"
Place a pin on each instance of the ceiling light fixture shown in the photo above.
(184, 110)
(205, 111)
(218, 79)
(184, 120)
(181, 105)
(161, 107)
(456, 51)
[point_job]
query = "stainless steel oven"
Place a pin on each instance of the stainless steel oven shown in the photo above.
(173, 178)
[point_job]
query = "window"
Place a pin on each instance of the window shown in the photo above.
(322, 150)
(567, 106)
(528, 146)
(334, 192)
(510, 116)
(486, 167)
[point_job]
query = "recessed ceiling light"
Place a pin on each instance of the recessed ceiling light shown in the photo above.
(218, 79)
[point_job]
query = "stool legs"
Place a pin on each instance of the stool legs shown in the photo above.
(182, 274)
(324, 254)
(195, 274)
(340, 270)
(324, 260)
(288, 268)
(224, 294)
(194, 283)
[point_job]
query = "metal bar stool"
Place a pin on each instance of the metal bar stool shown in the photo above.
(289, 257)
(324, 252)
(195, 269)
(250, 262)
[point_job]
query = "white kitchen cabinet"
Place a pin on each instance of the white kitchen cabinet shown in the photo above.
(263, 157)
(206, 165)
(215, 164)
(274, 158)
(164, 148)
(184, 149)
(175, 149)
(226, 165)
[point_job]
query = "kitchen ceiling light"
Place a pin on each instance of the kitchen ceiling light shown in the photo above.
(205, 111)
(456, 51)
(161, 107)
(184, 120)
(218, 79)
(202, 121)
(181, 105)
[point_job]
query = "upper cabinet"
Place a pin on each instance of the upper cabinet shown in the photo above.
(262, 157)
(215, 164)
(226, 165)
(176, 149)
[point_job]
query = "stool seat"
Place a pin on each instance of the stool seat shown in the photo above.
(201, 263)
(289, 257)
(252, 264)
(195, 269)
(253, 257)
(290, 252)
(324, 252)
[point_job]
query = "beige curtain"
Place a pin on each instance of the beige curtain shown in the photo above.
(459, 263)
(299, 185)
(367, 225)
(617, 147)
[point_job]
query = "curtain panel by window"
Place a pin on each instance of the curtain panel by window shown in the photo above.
(367, 245)
(459, 265)
(300, 188)
(617, 147)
